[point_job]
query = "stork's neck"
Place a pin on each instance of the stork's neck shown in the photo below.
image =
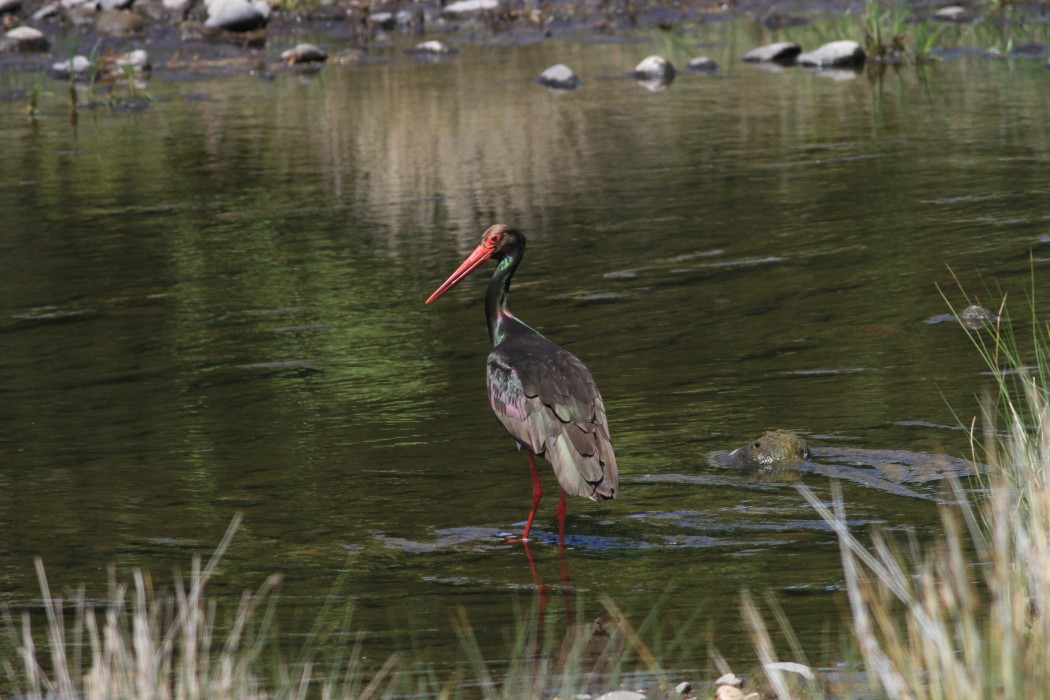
(497, 310)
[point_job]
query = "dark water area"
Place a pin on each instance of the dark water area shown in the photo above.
(215, 306)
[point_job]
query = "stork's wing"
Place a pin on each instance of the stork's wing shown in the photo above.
(548, 401)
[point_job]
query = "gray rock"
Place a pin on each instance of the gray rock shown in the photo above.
(773, 450)
(304, 53)
(780, 52)
(835, 54)
(24, 40)
(559, 77)
(48, 11)
(621, 695)
(977, 317)
(80, 4)
(78, 65)
(237, 15)
(10, 6)
(175, 5)
(115, 4)
(466, 7)
(702, 64)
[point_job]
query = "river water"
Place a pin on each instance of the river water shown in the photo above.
(215, 305)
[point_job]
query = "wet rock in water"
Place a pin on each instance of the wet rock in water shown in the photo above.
(468, 7)
(684, 688)
(654, 68)
(977, 317)
(783, 52)
(304, 53)
(119, 23)
(78, 67)
(953, 13)
(24, 40)
(836, 54)
(559, 77)
(237, 15)
(382, 20)
(702, 64)
(115, 4)
(773, 450)
(621, 695)
(10, 6)
(432, 48)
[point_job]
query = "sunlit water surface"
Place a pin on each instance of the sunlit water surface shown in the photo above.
(216, 306)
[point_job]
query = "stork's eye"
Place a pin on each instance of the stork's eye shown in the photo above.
(494, 239)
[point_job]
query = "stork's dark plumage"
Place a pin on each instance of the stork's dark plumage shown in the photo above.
(541, 393)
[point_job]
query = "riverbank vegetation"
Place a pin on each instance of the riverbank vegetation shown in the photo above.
(967, 616)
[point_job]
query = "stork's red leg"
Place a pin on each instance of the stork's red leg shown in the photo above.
(561, 520)
(537, 494)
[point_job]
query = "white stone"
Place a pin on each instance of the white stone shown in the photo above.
(834, 54)
(559, 77)
(621, 695)
(703, 64)
(654, 67)
(782, 51)
(953, 13)
(134, 60)
(461, 7)
(237, 15)
(24, 39)
(47, 11)
(792, 667)
(25, 33)
(304, 53)
(77, 64)
(433, 46)
(730, 679)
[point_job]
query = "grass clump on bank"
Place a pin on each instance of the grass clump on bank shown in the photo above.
(140, 644)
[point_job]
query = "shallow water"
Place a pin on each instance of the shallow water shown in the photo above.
(216, 306)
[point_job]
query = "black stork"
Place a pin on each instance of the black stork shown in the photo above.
(541, 393)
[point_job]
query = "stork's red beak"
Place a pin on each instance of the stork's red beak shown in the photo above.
(479, 257)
